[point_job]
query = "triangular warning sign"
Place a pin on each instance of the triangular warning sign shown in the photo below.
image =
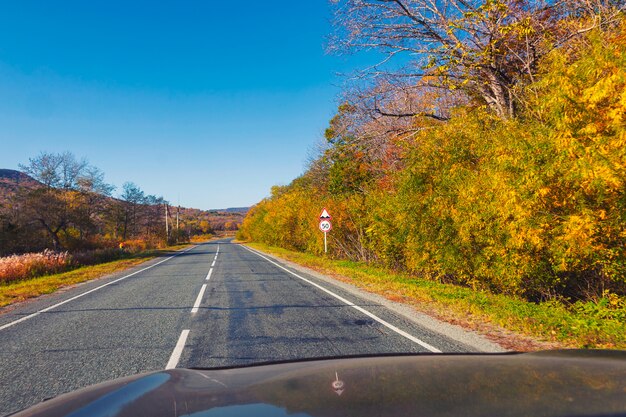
(325, 215)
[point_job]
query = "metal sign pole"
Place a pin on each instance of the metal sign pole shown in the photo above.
(325, 246)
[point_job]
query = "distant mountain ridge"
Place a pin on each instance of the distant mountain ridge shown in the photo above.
(17, 177)
(242, 210)
(11, 181)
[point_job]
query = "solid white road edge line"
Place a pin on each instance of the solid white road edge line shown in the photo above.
(356, 307)
(30, 316)
(208, 276)
(178, 350)
(213, 264)
(196, 305)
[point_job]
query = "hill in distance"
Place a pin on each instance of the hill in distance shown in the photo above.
(11, 181)
(242, 210)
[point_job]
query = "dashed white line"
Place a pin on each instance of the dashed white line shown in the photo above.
(30, 316)
(208, 276)
(178, 350)
(213, 264)
(351, 304)
(196, 305)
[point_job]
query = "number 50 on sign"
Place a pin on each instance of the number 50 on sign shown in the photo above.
(325, 226)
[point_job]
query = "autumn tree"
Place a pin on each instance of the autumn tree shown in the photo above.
(92, 200)
(73, 192)
(205, 226)
(70, 206)
(531, 206)
(140, 215)
(133, 197)
(488, 49)
(152, 218)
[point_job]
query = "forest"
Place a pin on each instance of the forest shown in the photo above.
(62, 203)
(486, 148)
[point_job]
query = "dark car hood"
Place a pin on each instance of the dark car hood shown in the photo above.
(567, 383)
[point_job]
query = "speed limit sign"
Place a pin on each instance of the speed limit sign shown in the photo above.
(325, 226)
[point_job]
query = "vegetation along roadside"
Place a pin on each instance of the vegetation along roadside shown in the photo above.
(508, 207)
(513, 322)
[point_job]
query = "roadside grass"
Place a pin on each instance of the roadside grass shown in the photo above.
(600, 324)
(30, 288)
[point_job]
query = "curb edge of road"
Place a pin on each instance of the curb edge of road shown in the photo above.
(451, 331)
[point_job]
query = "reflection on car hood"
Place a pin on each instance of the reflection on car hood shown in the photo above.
(553, 383)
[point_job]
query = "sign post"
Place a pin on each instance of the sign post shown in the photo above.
(325, 226)
(325, 244)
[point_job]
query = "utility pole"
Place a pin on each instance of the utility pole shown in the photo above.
(167, 226)
(177, 215)
(177, 230)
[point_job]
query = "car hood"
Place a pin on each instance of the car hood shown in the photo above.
(557, 383)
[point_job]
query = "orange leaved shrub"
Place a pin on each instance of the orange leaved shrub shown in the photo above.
(135, 245)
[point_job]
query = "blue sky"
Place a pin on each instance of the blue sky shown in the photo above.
(212, 102)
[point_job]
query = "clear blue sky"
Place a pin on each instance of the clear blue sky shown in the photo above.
(212, 101)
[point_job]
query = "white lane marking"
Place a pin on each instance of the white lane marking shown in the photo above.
(356, 307)
(196, 305)
(215, 256)
(213, 264)
(178, 350)
(30, 316)
(218, 249)
(208, 276)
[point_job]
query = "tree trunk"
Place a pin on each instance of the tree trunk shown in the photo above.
(56, 242)
(496, 93)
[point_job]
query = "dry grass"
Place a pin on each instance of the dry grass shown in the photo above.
(26, 266)
(201, 238)
(30, 265)
(20, 291)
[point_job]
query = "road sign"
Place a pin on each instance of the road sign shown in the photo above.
(326, 226)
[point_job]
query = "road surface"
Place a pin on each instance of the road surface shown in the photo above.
(215, 304)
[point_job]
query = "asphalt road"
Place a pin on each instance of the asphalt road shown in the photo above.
(217, 304)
